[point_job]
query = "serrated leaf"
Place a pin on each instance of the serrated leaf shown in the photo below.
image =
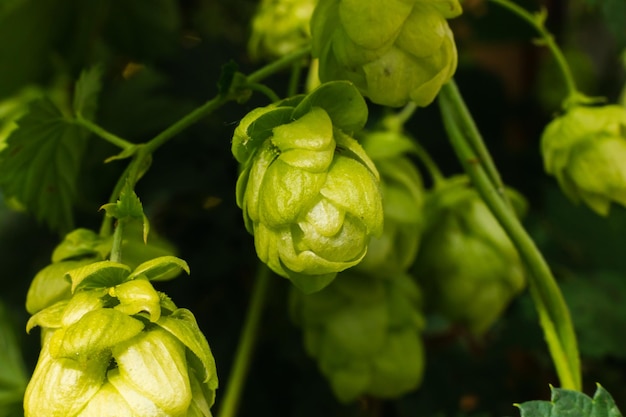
(569, 403)
(182, 324)
(96, 331)
(40, 165)
(128, 206)
(103, 274)
(341, 100)
(162, 268)
(87, 91)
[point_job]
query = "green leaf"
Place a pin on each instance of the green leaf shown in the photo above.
(182, 324)
(104, 274)
(162, 268)
(41, 162)
(87, 91)
(566, 403)
(342, 101)
(128, 206)
(48, 318)
(79, 243)
(137, 296)
(96, 331)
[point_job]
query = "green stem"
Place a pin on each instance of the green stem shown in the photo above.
(100, 132)
(262, 88)
(429, 164)
(537, 21)
(474, 138)
(116, 248)
(294, 78)
(247, 341)
(278, 65)
(553, 313)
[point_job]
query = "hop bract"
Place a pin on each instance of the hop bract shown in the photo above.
(394, 51)
(117, 347)
(403, 198)
(467, 266)
(308, 191)
(364, 333)
(585, 150)
(280, 27)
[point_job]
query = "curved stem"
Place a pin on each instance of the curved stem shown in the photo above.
(262, 88)
(429, 164)
(247, 341)
(100, 132)
(537, 21)
(116, 247)
(554, 315)
(294, 78)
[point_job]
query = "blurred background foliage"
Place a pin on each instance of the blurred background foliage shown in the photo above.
(161, 58)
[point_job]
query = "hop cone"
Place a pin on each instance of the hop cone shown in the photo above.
(403, 198)
(364, 333)
(280, 27)
(585, 149)
(308, 191)
(394, 51)
(117, 347)
(467, 266)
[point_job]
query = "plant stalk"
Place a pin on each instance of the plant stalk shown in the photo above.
(553, 312)
(247, 342)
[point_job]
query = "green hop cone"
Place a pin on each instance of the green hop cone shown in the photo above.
(394, 51)
(403, 198)
(309, 193)
(585, 150)
(467, 265)
(364, 333)
(117, 347)
(280, 27)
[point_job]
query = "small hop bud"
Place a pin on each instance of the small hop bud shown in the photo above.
(585, 150)
(309, 192)
(467, 265)
(364, 333)
(394, 51)
(280, 27)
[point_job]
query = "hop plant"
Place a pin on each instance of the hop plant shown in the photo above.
(280, 27)
(394, 51)
(403, 198)
(585, 150)
(364, 333)
(309, 192)
(467, 266)
(117, 347)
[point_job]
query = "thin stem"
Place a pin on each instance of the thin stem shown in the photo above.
(538, 22)
(100, 132)
(294, 78)
(186, 121)
(116, 248)
(429, 164)
(262, 88)
(553, 312)
(278, 65)
(247, 341)
(474, 138)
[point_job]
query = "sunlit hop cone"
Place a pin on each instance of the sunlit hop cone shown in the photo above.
(119, 348)
(394, 51)
(308, 191)
(280, 27)
(585, 149)
(467, 266)
(364, 333)
(403, 198)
